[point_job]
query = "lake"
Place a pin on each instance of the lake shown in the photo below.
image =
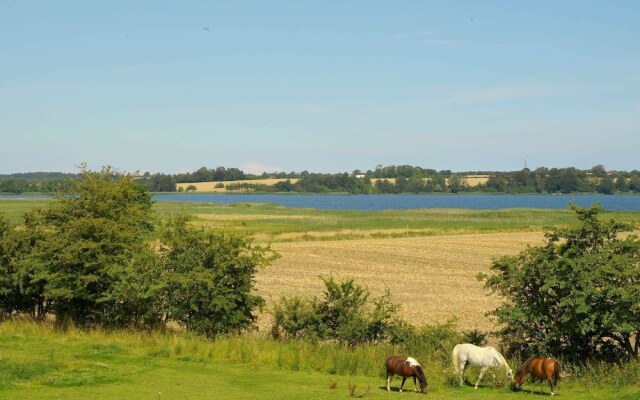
(402, 201)
(408, 201)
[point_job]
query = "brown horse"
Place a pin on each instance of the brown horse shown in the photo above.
(541, 368)
(406, 367)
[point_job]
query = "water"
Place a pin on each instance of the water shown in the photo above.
(408, 201)
(403, 201)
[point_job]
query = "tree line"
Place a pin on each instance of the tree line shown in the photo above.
(383, 179)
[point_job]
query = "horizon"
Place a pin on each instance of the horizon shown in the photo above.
(468, 172)
(160, 87)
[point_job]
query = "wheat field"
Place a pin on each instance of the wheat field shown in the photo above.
(433, 278)
(211, 186)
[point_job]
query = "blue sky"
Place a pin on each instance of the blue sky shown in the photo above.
(321, 86)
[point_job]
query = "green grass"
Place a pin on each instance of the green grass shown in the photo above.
(277, 223)
(39, 362)
(14, 209)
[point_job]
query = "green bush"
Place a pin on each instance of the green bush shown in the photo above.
(209, 278)
(344, 313)
(574, 297)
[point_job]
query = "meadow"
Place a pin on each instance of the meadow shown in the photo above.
(427, 258)
(40, 362)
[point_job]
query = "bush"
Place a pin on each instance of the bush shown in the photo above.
(576, 296)
(209, 278)
(344, 313)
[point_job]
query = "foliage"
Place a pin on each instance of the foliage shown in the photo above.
(70, 256)
(158, 182)
(384, 179)
(344, 313)
(577, 296)
(210, 277)
(90, 257)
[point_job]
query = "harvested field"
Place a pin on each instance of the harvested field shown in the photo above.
(434, 278)
(211, 186)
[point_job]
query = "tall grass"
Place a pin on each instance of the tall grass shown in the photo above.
(39, 353)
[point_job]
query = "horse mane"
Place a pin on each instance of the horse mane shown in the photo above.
(525, 365)
(500, 358)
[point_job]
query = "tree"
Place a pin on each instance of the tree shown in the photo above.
(456, 183)
(210, 278)
(577, 296)
(607, 185)
(72, 256)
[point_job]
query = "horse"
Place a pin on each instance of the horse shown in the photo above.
(541, 368)
(406, 367)
(484, 357)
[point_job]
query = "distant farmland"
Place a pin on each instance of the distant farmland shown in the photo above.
(221, 186)
(211, 186)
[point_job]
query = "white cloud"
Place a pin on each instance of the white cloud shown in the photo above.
(254, 167)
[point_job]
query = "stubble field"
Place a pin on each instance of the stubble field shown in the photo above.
(432, 277)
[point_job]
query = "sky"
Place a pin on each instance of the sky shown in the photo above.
(325, 86)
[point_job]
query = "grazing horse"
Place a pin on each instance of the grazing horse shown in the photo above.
(541, 368)
(406, 367)
(484, 357)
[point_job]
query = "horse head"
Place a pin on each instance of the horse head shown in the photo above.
(422, 378)
(509, 374)
(522, 374)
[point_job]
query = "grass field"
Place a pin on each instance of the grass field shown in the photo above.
(39, 362)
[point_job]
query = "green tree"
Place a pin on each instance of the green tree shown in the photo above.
(577, 296)
(210, 278)
(71, 256)
(606, 185)
(456, 183)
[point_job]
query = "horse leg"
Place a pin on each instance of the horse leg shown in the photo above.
(462, 366)
(404, 378)
(553, 387)
(388, 381)
(482, 371)
(414, 384)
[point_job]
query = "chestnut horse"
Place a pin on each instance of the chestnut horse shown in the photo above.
(541, 368)
(406, 367)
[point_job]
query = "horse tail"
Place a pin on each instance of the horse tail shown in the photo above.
(455, 358)
(556, 372)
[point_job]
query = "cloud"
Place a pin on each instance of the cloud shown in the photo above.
(254, 167)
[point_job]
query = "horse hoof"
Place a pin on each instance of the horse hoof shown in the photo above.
(475, 387)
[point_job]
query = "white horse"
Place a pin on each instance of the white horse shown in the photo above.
(484, 357)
